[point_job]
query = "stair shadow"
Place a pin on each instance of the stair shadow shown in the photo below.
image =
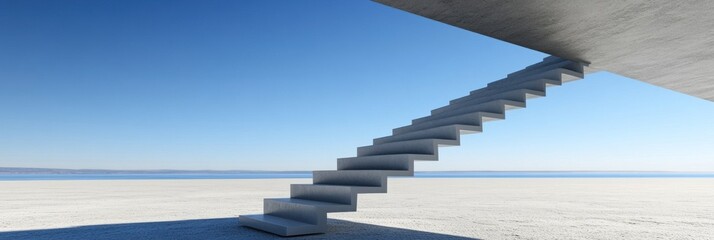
(216, 228)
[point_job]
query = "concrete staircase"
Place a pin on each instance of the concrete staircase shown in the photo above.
(305, 212)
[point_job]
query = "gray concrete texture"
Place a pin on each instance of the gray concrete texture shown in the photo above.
(665, 43)
(305, 212)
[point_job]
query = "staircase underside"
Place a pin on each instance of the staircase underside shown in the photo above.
(662, 42)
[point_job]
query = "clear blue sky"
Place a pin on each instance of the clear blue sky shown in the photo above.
(292, 85)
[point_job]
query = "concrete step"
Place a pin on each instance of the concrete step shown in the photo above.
(280, 226)
(449, 132)
(419, 146)
(527, 91)
(557, 74)
(568, 76)
(396, 163)
(294, 210)
(546, 61)
(535, 82)
(470, 119)
(496, 106)
(341, 194)
(366, 178)
(542, 64)
(302, 208)
(535, 85)
(547, 65)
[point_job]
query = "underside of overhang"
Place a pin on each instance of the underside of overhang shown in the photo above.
(665, 43)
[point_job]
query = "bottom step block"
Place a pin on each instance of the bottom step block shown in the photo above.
(280, 226)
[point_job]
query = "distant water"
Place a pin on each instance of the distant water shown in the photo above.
(144, 176)
(111, 176)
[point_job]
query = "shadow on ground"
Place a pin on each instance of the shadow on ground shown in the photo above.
(216, 228)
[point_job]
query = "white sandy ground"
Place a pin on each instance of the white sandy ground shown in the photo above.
(413, 209)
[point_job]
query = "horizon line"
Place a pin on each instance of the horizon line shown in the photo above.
(37, 169)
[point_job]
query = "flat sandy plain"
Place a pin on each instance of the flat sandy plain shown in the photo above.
(414, 209)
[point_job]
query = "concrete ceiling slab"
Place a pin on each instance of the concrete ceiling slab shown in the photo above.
(665, 43)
